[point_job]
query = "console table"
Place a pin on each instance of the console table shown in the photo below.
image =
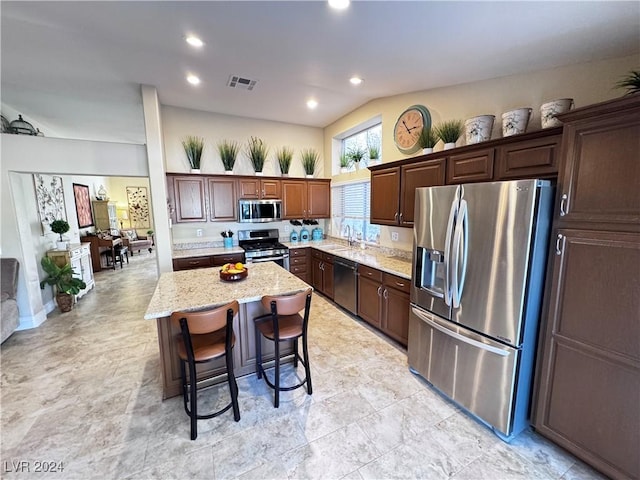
(99, 245)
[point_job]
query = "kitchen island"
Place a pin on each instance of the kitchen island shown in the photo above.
(190, 290)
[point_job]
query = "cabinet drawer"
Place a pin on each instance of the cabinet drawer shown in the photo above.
(191, 262)
(398, 283)
(218, 260)
(370, 273)
(298, 252)
(298, 269)
(327, 257)
(297, 260)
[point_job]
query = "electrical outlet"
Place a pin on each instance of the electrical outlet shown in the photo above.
(286, 228)
(198, 232)
(394, 236)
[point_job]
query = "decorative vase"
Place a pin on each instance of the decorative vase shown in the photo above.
(195, 170)
(65, 302)
(344, 169)
(285, 174)
(309, 175)
(515, 121)
(228, 172)
(427, 150)
(258, 174)
(549, 110)
(450, 145)
(478, 129)
(61, 245)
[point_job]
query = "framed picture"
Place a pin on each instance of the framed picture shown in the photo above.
(138, 207)
(83, 205)
(50, 198)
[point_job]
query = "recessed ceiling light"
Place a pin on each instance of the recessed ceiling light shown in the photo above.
(193, 79)
(356, 80)
(311, 103)
(339, 4)
(194, 41)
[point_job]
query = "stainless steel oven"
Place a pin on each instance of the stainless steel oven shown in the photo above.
(263, 246)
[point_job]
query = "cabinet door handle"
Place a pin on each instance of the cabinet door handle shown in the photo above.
(559, 244)
(400, 217)
(385, 293)
(395, 217)
(380, 291)
(563, 204)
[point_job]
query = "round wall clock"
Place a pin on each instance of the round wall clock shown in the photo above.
(408, 127)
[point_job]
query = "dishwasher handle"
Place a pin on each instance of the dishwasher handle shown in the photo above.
(353, 267)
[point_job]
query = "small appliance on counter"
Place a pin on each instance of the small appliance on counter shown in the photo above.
(304, 235)
(316, 234)
(293, 237)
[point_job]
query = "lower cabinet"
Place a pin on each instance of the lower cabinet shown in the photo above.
(299, 263)
(205, 261)
(383, 302)
(322, 272)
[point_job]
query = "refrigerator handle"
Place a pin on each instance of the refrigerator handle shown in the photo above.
(457, 336)
(447, 250)
(460, 239)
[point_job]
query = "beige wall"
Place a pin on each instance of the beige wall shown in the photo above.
(586, 83)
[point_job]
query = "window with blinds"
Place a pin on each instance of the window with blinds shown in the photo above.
(351, 209)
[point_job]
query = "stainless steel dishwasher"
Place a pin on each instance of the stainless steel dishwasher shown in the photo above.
(345, 284)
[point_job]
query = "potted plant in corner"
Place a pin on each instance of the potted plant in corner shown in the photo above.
(193, 147)
(374, 154)
(631, 82)
(345, 163)
(257, 152)
(284, 156)
(449, 132)
(228, 150)
(427, 140)
(309, 161)
(60, 227)
(356, 154)
(66, 285)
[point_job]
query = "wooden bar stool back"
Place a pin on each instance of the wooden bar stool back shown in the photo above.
(284, 323)
(205, 335)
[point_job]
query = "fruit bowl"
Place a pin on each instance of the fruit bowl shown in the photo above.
(233, 275)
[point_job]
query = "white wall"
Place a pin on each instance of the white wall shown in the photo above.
(586, 83)
(19, 223)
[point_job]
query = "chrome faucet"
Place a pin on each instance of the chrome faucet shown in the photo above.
(349, 237)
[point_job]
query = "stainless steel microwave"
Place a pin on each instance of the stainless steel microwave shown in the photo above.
(256, 211)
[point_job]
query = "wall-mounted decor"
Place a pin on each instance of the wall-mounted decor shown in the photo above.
(138, 207)
(83, 205)
(50, 198)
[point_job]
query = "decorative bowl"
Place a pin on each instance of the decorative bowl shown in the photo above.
(233, 277)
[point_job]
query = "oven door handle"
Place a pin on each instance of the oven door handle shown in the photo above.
(267, 259)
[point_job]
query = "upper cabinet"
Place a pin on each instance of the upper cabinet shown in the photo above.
(306, 199)
(222, 199)
(257, 188)
(393, 185)
(188, 198)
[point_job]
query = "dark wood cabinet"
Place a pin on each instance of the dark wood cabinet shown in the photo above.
(306, 199)
(385, 196)
(189, 199)
(535, 158)
(222, 199)
(205, 261)
(322, 272)
(587, 394)
(219, 260)
(383, 302)
(258, 188)
(299, 263)
(429, 173)
(474, 166)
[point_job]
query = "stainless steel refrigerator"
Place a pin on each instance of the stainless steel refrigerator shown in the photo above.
(478, 275)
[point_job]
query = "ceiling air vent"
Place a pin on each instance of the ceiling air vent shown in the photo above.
(235, 81)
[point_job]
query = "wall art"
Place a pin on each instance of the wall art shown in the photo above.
(83, 205)
(138, 207)
(50, 198)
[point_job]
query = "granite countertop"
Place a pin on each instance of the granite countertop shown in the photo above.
(201, 288)
(369, 256)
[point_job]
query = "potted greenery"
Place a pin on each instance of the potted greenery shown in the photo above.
(449, 132)
(193, 147)
(345, 163)
(427, 140)
(284, 156)
(309, 161)
(631, 82)
(356, 154)
(257, 152)
(66, 285)
(228, 150)
(374, 154)
(60, 226)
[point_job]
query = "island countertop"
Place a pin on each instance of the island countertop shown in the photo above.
(201, 288)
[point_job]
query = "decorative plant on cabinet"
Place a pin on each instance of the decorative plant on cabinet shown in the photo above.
(257, 152)
(60, 227)
(228, 150)
(193, 147)
(427, 140)
(309, 158)
(449, 132)
(284, 156)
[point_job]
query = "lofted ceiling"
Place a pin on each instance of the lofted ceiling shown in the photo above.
(74, 68)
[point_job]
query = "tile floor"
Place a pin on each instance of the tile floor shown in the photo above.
(84, 390)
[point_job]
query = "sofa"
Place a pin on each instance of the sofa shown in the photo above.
(9, 317)
(133, 241)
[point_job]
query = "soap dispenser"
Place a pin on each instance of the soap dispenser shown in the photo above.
(304, 234)
(293, 237)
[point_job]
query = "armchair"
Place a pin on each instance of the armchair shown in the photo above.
(131, 239)
(10, 316)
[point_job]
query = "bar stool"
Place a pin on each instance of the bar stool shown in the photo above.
(282, 324)
(206, 335)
